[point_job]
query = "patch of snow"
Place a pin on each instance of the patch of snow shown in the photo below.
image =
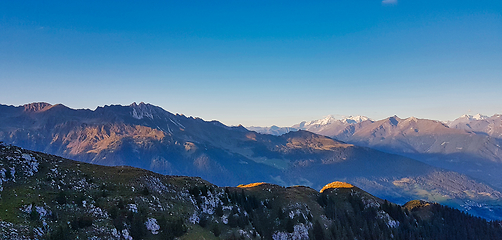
(468, 117)
(479, 117)
(355, 119)
(177, 123)
(331, 119)
(325, 121)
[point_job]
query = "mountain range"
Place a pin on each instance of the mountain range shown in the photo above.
(327, 126)
(470, 144)
(491, 126)
(44, 196)
(148, 137)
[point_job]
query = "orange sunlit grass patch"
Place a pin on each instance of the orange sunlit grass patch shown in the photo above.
(337, 185)
(251, 185)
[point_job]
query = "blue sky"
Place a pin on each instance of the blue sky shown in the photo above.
(257, 62)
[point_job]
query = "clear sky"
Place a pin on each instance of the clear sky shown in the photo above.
(257, 62)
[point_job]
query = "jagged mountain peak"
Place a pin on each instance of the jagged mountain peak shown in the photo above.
(414, 119)
(324, 121)
(330, 119)
(355, 119)
(410, 124)
(328, 125)
(480, 124)
(138, 111)
(143, 105)
(143, 110)
(479, 117)
(466, 119)
(134, 104)
(393, 121)
(36, 106)
(473, 117)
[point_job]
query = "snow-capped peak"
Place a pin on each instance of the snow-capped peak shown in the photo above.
(325, 121)
(331, 119)
(354, 119)
(475, 117)
(479, 117)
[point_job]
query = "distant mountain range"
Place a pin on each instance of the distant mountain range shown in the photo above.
(491, 126)
(469, 144)
(148, 137)
(44, 196)
(329, 126)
